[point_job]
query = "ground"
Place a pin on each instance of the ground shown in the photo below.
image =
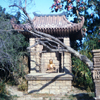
(75, 94)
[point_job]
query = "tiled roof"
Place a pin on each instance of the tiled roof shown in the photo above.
(56, 25)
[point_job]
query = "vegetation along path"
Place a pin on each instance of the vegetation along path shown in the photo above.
(75, 94)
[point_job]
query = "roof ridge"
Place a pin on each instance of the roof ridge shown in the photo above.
(39, 15)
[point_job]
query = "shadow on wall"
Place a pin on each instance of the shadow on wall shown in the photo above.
(47, 84)
(36, 66)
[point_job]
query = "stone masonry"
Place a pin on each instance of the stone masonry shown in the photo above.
(96, 72)
(45, 60)
(54, 83)
(39, 61)
(67, 57)
(55, 25)
(56, 87)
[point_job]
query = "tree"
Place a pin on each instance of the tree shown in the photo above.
(49, 37)
(11, 46)
(90, 10)
(20, 5)
(87, 8)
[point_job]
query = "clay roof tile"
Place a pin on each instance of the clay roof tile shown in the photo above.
(52, 24)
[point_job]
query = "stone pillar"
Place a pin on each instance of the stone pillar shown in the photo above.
(32, 56)
(62, 61)
(96, 72)
(67, 57)
(38, 50)
(44, 62)
(35, 56)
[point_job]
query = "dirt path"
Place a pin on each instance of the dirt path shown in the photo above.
(78, 95)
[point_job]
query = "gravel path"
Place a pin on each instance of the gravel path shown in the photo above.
(25, 96)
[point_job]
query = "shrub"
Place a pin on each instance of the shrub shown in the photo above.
(4, 95)
(23, 87)
(82, 75)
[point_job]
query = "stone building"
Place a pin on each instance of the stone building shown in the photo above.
(59, 27)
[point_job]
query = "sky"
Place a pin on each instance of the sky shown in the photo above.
(39, 6)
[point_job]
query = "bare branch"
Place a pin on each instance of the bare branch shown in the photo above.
(45, 45)
(53, 39)
(50, 44)
(2, 69)
(16, 6)
(33, 45)
(18, 30)
(25, 4)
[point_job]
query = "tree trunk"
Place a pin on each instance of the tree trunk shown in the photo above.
(41, 34)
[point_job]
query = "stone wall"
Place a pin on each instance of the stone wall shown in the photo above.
(45, 57)
(39, 60)
(52, 83)
(96, 72)
(35, 56)
(55, 87)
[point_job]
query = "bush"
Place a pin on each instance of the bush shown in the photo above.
(12, 46)
(23, 87)
(2, 88)
(4, 95)
(82, 74)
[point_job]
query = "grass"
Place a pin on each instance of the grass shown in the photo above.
(22, 87)
(7, 97)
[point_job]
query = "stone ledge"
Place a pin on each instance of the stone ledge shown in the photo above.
(48, 77)
(97, 98)
(98, 66)
(97, 81)
(95, 51)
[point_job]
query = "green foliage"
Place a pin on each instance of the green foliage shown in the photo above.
(90, 9)
(12, 47)
(82, 75)
(23, 87)
(2, 88)
(3, 93)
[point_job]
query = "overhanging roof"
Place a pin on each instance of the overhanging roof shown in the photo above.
(56, 25)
